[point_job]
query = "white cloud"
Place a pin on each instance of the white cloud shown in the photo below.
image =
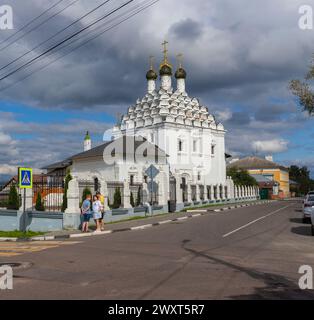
(8, 169)
(270, 146)
(223, 115)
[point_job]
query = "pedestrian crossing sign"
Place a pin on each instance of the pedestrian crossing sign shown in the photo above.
(25, 178)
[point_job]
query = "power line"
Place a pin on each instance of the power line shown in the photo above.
(134, 8)
(39, 25)
(30, 22)
(56, 34)
(81, 45)
(88, 33)
(67, 39)
(80, 38)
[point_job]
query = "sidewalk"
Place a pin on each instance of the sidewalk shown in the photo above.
(141, 223)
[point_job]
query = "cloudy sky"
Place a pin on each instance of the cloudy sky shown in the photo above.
(239, 56)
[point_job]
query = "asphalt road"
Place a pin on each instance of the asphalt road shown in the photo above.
(246, 253)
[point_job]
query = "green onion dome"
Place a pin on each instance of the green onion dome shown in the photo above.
(87, 137)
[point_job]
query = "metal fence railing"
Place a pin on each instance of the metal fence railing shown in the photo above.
(4, 195)
(51, 191)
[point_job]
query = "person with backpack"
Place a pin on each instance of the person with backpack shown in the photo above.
(86, 212)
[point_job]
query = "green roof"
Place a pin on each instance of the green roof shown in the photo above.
(87, 137)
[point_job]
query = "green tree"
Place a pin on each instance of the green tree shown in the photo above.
(68, 178)
(39, 203)
(132, 200)
(301, 175)
(138, 200)
(117, 199)
(14, 201)
(86, 192)
(241, 177)
(303, 91)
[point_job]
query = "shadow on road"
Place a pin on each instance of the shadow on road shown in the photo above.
(277, 287)
(302, 230)
(296, 220)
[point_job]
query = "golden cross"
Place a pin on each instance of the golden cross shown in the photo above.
(180, 59)
(164, 44)
(151, 62)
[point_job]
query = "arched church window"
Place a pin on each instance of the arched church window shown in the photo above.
(213, 149)
(180, 145)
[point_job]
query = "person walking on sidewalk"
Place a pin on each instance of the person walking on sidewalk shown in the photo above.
(86, 212)
(97, 207)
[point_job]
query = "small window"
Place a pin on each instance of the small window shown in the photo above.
(152, 139)
(194, 145)
(213, 149)
(96, 184)
(180, 146)
(131, 180)
(198, 176)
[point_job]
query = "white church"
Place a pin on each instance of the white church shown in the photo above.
(173, 132)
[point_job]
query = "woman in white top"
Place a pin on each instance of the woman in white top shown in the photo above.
(97, 209)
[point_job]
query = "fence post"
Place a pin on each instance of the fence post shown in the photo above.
(104, 192)
(72, 215)
(126, 195)
(162, 192)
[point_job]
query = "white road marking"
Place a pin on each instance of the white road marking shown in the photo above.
(165, 221)
(254, 221)
(142, 227)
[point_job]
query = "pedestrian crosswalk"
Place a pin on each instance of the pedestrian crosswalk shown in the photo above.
(10, 249)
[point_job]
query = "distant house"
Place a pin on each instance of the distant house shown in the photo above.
(269, 189)
(266, 171)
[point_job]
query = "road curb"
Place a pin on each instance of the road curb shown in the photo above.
(197, 213)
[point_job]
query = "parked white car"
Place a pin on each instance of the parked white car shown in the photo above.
(308, 207)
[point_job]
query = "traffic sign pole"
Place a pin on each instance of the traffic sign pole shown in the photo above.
(25, 177)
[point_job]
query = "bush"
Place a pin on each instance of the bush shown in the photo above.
(68, 178)
(3, 204)
(117, 199)
(39, 203)
(86, 192)
(14, 201)
(132, 200)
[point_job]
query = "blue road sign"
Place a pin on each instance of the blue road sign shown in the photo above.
(25, 178)
(152, 171)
